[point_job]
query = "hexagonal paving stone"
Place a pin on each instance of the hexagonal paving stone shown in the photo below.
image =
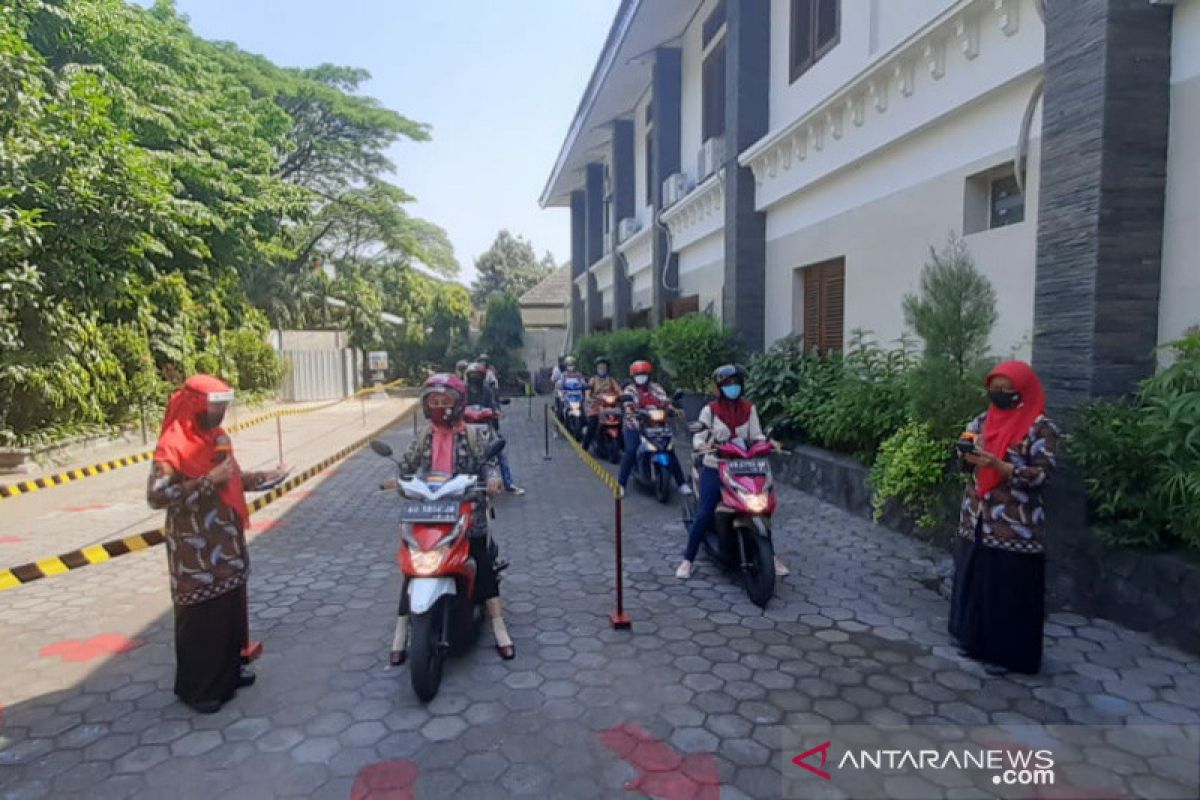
(363, 734)
(442, 729)
(142, 759)
(166, 731)
(482, 767)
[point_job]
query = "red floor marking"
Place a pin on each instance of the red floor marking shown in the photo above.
(387, 780)
(11, 540)
(662, 771)
(300, 495)
(89, 507)
(99, 645)
(264, 525)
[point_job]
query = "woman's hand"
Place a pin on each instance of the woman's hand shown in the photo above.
(985, 459)
(221, 473)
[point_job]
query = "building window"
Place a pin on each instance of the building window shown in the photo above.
(816, 29)
(712, 122)
(683, 306)
(639, 319)
(824, 305)
(992, 200)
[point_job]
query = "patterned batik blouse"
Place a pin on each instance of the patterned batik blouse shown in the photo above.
(1012, 514)
(206, 546)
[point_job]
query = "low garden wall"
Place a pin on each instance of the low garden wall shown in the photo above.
(1154, 592)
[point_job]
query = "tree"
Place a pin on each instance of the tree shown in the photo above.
(954, 314)
(503, 332)
(510, 266)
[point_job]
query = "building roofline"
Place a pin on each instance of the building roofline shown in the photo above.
(616, 36)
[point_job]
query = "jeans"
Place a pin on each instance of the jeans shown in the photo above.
(709, 498)
(633, 440)
(505, 470)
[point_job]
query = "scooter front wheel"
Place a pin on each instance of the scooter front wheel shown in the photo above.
(758, 566)
(426, 654)
(662, 486)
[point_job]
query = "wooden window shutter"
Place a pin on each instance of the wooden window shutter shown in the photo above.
(812, 308)
(833, 291)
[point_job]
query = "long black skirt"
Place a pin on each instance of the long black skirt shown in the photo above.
(998, 607)
(208, 647)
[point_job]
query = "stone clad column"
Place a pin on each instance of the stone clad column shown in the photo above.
(667, 94)
(594, 247)
(624, 180)
(747, 88)
(578, 265)
(1100, 223)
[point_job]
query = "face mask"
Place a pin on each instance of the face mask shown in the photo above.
(602, 372)
(731, 392)
(211, 419)
(641, 380)
(439, 416)
(1004, 400)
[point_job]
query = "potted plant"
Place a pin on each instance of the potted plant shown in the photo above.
(12, 458)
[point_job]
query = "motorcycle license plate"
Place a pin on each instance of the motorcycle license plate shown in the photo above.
(430, 511)
(750, 466)
(656, 432)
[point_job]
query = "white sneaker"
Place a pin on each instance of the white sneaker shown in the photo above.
(684, 571)
(685, 490)
(781, 568)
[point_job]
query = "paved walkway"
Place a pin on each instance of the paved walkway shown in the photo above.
(697, 693)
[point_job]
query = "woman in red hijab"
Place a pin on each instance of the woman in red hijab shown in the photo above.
(997, 605)
(197, 480)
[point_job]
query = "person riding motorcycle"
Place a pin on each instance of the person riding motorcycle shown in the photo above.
(492, 379)
(601, 383)
(570, 372)
(445, 447)
(730, 416)
(480, 394)
(639, 394)
(460, 369)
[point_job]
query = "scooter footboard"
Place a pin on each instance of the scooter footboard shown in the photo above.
(424, 592)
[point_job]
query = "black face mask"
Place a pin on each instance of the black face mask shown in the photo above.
(210, 419)
(1004, 400)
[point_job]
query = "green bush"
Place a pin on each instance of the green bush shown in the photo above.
(909, 470)
(775, 377)
(623, 347)
(255, 362)
(691, 347)
(503, 335)
(1141, 459)
(856, 401)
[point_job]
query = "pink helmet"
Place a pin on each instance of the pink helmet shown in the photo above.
(447, 386)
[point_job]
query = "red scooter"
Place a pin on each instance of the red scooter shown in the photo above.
(608, 441)
(435, 558)
(740, 538)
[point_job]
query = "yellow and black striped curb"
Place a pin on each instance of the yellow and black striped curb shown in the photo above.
(99, 553)
(80, 473)
(603, 474)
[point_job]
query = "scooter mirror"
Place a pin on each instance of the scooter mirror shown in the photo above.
(678, 395)
(381, 448)
(504, 401)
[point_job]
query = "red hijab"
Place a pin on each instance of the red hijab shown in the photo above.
(442, 457)
(1005, 428)
(193, 451)
(734, 413)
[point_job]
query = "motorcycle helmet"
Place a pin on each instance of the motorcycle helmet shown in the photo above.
(730, 380)
(460, 368)
(641, 371)
(569, 363)
(476, 373)
(483, 359)
(603, 366)
(443, 397)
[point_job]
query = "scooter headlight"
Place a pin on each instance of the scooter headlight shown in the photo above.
(657, 415)
(756, 503)
(426, 562)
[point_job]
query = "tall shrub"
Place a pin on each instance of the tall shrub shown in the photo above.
(691, 347)
(953, 313)
(503, 333)
(622, 347)
(775, 377)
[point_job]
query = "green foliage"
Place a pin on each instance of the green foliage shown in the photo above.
(954, 314)
(691, 347)
(255, 362)
(154, 185)
(774, 378)
(1141, 458)
(510, 266)
(503, 334)
(909, 470)
(622, 347)
(859, 402)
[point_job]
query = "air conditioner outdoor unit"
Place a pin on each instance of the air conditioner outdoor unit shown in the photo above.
(712, 155)
(627, 228)
(674, 189)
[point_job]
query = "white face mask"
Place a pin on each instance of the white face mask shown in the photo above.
(641, 380)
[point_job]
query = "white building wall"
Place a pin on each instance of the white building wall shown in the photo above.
(691, 102)
(702, 271)
(644, 210)
(1179, 306)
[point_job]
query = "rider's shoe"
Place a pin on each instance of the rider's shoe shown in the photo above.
(684, 571)
(781, 568)
(246, 678)
(685, 490)
(515, 491)
(397, 657)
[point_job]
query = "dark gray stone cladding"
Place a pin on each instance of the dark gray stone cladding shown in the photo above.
(667, 97)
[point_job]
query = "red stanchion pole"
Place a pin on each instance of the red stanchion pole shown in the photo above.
(619, 619)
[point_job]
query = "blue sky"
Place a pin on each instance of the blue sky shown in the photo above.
(499, 81)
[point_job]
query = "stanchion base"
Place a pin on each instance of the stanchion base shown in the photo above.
(251, 652)
(620, 622)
